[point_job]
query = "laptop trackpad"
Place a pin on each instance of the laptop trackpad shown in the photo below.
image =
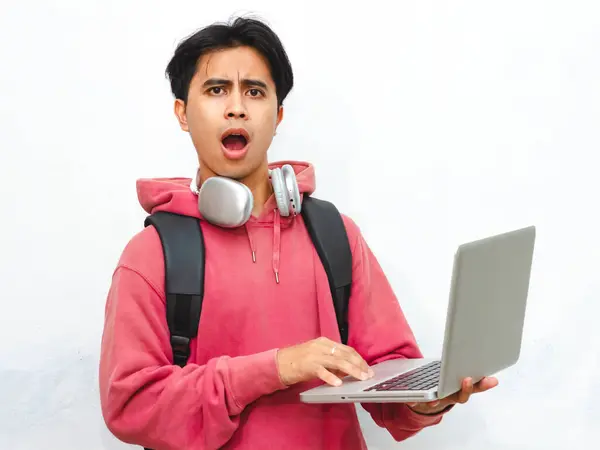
(383, 371)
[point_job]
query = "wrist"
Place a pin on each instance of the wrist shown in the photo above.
(280, 363)
(252, 376)
(434, 412)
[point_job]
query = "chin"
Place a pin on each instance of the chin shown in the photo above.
(237, 173)
(238, 170)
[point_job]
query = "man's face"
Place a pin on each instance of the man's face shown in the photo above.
(231, 92)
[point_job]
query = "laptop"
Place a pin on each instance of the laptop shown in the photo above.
(484, 328)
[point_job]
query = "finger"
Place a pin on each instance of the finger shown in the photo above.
(324, 343)
(348, 368)
(416, 406)
(450, 400)
(355, 354)
(353, 357)
(333, 349)
(433, 405)
(485, 384)
(345, 366)
(328, 377)
(346, 352)
(426, 408)
(338, 373)
(466, 391)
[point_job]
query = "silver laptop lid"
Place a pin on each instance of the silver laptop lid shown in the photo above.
(486, 312)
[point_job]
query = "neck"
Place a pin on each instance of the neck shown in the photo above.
(258, 182)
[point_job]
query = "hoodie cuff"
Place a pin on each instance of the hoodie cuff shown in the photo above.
(253, 376)
(427, 419)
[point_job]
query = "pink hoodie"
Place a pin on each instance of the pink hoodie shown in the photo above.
(230, 395)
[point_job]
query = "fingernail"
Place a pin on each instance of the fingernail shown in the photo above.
(364, 376)
(337, 382)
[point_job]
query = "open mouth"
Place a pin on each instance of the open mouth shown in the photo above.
(235, 139)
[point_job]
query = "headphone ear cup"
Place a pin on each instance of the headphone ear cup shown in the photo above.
(280, 191)
(225, 202)
(291, 184)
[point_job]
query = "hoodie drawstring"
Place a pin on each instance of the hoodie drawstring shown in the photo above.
(276, 243)
(251, 242)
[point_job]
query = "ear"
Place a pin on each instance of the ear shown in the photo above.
(279, 118)
(179, 108)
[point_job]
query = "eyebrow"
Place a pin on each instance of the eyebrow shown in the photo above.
(250, 82)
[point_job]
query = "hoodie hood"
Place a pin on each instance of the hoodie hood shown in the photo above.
(174, 195)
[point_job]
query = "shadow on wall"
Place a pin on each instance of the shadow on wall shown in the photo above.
(54, 403)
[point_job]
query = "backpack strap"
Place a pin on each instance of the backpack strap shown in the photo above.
(328, 233)
(184, 255)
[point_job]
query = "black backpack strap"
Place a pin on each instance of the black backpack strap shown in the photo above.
(184, 255)
(328, 233)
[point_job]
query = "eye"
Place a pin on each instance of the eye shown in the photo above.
(255, 92)
(216, 90)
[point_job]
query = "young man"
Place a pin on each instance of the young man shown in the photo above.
(268, 330)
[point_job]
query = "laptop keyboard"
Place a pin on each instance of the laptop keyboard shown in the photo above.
(420, 379)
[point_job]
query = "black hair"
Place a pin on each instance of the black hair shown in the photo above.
(218, 36)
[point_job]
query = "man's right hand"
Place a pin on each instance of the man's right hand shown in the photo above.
(321, 358)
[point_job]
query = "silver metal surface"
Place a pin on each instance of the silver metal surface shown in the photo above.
(225, 202)
(486, 313)
(484, 323)
(352, 390)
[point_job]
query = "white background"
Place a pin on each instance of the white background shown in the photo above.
(444, 122)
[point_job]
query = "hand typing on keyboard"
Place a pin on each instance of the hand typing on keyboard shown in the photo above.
(462, 396)
(321, 358)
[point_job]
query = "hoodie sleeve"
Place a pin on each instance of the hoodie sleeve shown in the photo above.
(148, 401)
(379, 331)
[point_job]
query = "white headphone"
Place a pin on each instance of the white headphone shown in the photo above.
(285, 189)
(228, 203)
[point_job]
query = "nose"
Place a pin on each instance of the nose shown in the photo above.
(236, 109)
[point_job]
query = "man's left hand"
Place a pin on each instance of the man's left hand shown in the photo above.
(461, 396)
